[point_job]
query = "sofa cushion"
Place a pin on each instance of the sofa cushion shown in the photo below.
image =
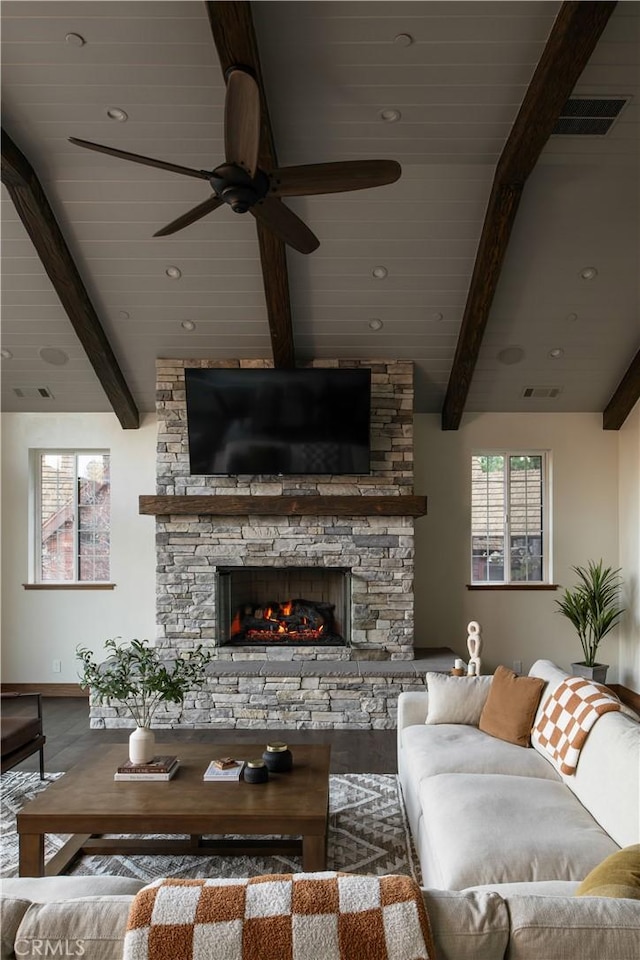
(536, 888)
(498, 829)
(12, 910)
(557, 928)
(450, 748)
(456, 699)
(467, 926)
(92, 927)
(617, 876)
(44, 889)
(511, 707)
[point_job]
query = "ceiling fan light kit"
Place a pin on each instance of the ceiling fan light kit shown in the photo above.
(242, 186)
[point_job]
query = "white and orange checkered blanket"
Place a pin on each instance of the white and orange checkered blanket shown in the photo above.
(567, 717)
(293, 916)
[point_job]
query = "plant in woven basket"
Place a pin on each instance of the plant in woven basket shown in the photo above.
(593, 606)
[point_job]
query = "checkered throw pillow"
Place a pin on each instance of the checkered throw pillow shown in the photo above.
(301, 916)
(567, 717)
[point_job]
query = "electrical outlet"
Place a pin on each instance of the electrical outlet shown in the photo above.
(517, 666)
(56, 666)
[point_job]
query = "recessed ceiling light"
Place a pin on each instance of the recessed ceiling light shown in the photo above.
(437, 316)
(556, 353)
(75, 40)
(6, 354)
(376, 323)
(403, 39)
(379, 272)
(511, 355)
(57, 358)
(173, 272)
(589, 273)
(572, 317)
(115, 113)
(390, 116)
(123, 315)
(188, 325)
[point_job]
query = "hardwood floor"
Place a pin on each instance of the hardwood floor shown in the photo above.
(66, 727)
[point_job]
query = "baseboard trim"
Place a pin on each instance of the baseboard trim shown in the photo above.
(46, 689)
(629, 697)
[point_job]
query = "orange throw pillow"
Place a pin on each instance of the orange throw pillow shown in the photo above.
(510, 709)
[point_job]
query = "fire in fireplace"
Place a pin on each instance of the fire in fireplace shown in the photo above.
(251, 609)
(294, 621)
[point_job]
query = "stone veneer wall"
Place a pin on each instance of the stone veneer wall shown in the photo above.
(378, 549)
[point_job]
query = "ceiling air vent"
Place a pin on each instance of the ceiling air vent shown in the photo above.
(589, 116)
(541, 393)
(33, 393)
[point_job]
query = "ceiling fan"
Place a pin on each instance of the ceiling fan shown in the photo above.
(240, 183)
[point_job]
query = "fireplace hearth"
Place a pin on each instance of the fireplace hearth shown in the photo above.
(253, 611)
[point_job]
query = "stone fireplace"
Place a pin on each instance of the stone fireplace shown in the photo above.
(238, 556)
(372, 555)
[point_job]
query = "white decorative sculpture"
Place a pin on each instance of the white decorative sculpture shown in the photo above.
(474, 646)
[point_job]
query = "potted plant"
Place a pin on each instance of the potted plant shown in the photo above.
(136, 676)
(593, 609)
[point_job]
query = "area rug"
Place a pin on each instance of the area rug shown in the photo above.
(368, 833)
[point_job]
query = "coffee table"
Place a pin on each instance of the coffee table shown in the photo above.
(87, 803)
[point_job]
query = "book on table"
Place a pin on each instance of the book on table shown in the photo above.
(159, 768)
(215, 773)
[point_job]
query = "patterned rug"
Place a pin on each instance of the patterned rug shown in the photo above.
(368, 833)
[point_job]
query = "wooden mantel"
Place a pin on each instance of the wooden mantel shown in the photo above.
(313, 506)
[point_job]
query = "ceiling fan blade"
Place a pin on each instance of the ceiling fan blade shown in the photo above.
(242, 120)
(136, 158)
(315, 178)
(207, 206)
(285, 224)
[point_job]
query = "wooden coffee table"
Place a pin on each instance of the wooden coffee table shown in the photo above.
(87, 803)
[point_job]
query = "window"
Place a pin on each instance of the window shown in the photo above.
(72, 519)
(509, 518)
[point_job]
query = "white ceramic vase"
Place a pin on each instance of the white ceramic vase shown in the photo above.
(142, 745)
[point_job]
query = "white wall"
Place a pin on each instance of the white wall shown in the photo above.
(39, 626)
(517, 625)
(629, 439)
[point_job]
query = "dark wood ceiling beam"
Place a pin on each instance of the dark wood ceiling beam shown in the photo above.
(40, 222)
(625, 397)
(235, 40)
(574, 35)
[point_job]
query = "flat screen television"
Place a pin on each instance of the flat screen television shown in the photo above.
(265, 421)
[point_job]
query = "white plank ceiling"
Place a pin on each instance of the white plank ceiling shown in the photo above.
(330, 68)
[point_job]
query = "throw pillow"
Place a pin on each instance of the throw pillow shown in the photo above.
(456, 699)
(511, 707)
(617, 876)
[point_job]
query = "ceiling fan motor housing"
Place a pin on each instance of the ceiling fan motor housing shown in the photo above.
(237, 188)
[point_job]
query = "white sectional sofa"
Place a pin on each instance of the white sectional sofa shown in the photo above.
(484, 812)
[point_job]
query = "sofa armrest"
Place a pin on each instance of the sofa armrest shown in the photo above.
(412, 708)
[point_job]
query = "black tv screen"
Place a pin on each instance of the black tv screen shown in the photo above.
(264, 421)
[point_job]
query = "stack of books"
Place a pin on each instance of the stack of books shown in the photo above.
(159, 768)
(224, 769)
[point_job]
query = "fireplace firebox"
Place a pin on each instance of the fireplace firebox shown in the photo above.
(290, 606)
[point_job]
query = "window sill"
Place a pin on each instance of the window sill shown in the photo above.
(512, 586)
(71, 585)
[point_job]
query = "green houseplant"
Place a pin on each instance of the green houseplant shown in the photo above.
(135, 675)
(592, 607)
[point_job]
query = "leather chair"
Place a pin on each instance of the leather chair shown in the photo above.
(22, 735)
